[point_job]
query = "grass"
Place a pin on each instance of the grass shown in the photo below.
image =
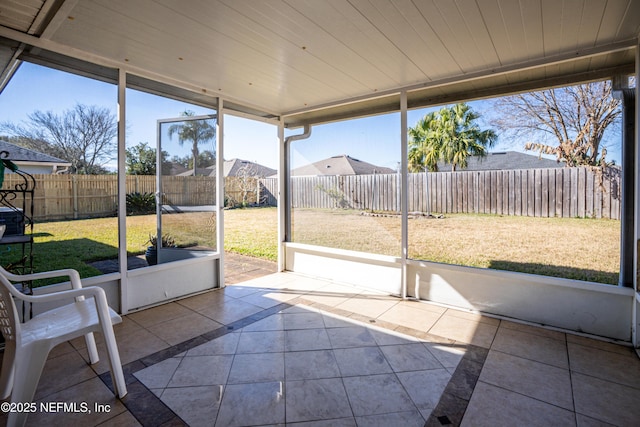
(583, 249)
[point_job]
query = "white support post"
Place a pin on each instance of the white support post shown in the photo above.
(220, 190)
(122, 192)
(636, 286)
(283, 188)
(403, 191)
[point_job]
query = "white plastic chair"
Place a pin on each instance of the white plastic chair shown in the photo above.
(27, 345)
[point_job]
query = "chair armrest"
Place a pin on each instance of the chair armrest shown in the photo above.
(92, 291)
(73, 276)
(98, 294)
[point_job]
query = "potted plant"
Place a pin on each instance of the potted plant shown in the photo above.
(152, 250)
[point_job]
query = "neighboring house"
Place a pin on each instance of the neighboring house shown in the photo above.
(234, 167)
(340, 165)
(33, 162)
(178, 170)
(504, 160)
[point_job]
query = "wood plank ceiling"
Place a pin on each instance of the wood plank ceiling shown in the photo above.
(314, 60)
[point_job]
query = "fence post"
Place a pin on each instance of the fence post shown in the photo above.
(74, 191)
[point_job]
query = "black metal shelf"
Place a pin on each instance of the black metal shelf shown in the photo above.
(16, 212)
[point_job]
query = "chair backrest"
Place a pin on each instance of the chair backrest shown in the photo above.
(9, 320)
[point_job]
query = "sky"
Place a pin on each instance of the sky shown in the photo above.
(373, 139)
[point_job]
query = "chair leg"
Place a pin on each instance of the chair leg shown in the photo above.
(29, 364)
(6, 375)
(117, 375)
(91, 348)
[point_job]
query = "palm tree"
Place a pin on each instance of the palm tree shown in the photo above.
(451, 135)
(424, 145)
(196, 131)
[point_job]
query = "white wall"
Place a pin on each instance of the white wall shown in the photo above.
(590, 308)
(165, 282)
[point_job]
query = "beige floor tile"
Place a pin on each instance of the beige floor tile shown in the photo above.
(126, 327)
(377, 394)
(535, 347)
(584, 421)
(90, 392)
(599, 344)
(303, 284)
(201, 371)
(537, 380)
(268, 299)
(162, 313)
(226, 344)
(303, 320)
(125, 419)
(62, 372)
(184, 328)
(204, 300)
(493, 406)
(260, 403)
(464, 330)
(197, 406)
(425, 387)
(356, 336)
(61, 349)
(131, 347)
(449, 355)
(316, 399)
(411, 316)
(261, 342)
(280, 296)
(476, 317)
(332, 295)
(609, 366)
(361, 361)
(306, 339)
(534, 330)
(256, 367)
(229, 311)
(305, 365)
(422, 305)
(404, 419)
(239, 291)
(606, 401)
(410, 357)
(271, 323)
(272, 281)
(158, 376)
(368, 306)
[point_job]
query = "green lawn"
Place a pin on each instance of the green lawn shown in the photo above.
(583, 249)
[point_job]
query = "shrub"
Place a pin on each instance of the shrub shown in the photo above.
(141, 203)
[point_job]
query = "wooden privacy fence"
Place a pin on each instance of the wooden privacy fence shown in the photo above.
(85, 196)
(562, 192)
(565, 192)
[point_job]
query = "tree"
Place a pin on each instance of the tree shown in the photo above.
(85, 136)
(570, 121)
(141, 160)
(196, 131)
(450, 135)
(205, 158)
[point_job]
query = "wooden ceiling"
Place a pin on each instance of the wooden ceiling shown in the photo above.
(317, 60)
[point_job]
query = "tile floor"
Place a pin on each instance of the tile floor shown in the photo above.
(285, 349)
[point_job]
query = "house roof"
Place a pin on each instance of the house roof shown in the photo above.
(235, 167)
(504, 160)
(21, 154)
(340, 165)
(317, 61)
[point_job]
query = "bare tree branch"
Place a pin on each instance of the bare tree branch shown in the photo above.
(84, 136)
(576, 116)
